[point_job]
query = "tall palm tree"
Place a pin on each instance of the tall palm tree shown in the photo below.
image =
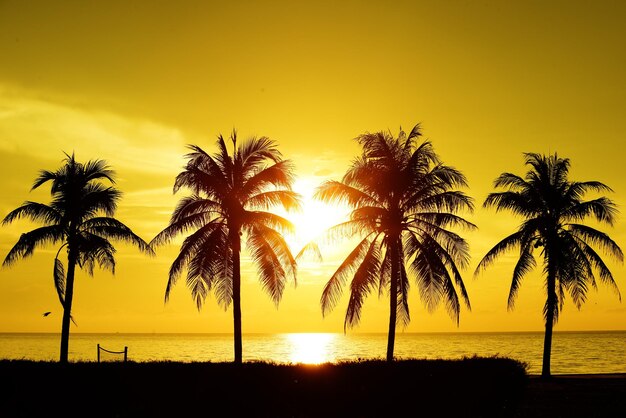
(80, 218)
(553, 209)
(403, 200)
(230, 196)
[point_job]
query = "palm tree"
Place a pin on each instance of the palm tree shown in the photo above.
(74, 220)
(553, 210)
(402, 201)
(230, 196)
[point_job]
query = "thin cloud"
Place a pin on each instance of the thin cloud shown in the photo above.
(42, 129)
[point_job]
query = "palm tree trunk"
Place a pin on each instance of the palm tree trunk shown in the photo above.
(393, 300)
(67, 307)
(547, 347)
(551, 306)
(237, 297)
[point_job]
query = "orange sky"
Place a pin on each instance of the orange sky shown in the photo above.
(133, 82)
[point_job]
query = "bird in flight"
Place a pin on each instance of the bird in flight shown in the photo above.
(47, 313)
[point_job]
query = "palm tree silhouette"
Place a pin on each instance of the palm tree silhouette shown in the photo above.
(553, 212)
(230, 196)
(403, 199)
(73, 218)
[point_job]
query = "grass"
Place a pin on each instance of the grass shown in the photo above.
(473, 387)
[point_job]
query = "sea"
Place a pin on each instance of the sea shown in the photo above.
(572, 352)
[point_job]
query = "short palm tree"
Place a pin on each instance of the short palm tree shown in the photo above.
(553, 211)
(403, 201)
(229, 200)
(80, 218)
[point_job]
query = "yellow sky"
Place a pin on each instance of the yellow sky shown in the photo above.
(133, 82)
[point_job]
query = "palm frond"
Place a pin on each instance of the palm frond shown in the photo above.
(34, 211)
(445, 177)
(421, 159)
(223, 288)
(224, 160)
(574, 269)
(98, 169)
(288, 199)
(364, 280)
(595, 237)
(416, 132)
(602, 209)
(95, 198)
(515, 202)
(448, 201)
(511, 181)
(312, 250)
(577, 189)
(369, 214)
(44, 177)
(112, 228)
(555, 308)
(524, 265)
(194, 205)
(192, 222)
(209, 239)
(256, 151)
(604, 273)
(269, 220)
(450, 254)
(436, 272)
(347, 229)
(28, 241)
(199, 180)
(201, 271)
(95, 250)
(440, 220)
(450, 242)
(270, 253)
(432, 277)
(58, 274)
(339, 193)
(403, 315)
(334, 287)
(279, 175)
(513, 240)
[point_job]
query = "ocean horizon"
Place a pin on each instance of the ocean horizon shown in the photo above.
(573, 352)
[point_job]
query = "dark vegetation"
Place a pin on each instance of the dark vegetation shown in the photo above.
(574, 396)
(474, 387)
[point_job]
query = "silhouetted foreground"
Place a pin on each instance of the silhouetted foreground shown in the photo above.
(477, 387)
(574, 396)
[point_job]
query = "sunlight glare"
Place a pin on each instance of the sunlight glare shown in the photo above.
(316, 216)
(311, 348)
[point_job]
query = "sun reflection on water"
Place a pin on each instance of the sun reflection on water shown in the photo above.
(311, 348)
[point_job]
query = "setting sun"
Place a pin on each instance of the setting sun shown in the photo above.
(311, 348)
(315, 217)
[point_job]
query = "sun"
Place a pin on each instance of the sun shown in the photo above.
(311, 348)
(315, 217)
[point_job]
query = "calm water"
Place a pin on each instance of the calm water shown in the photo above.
(572, 352)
